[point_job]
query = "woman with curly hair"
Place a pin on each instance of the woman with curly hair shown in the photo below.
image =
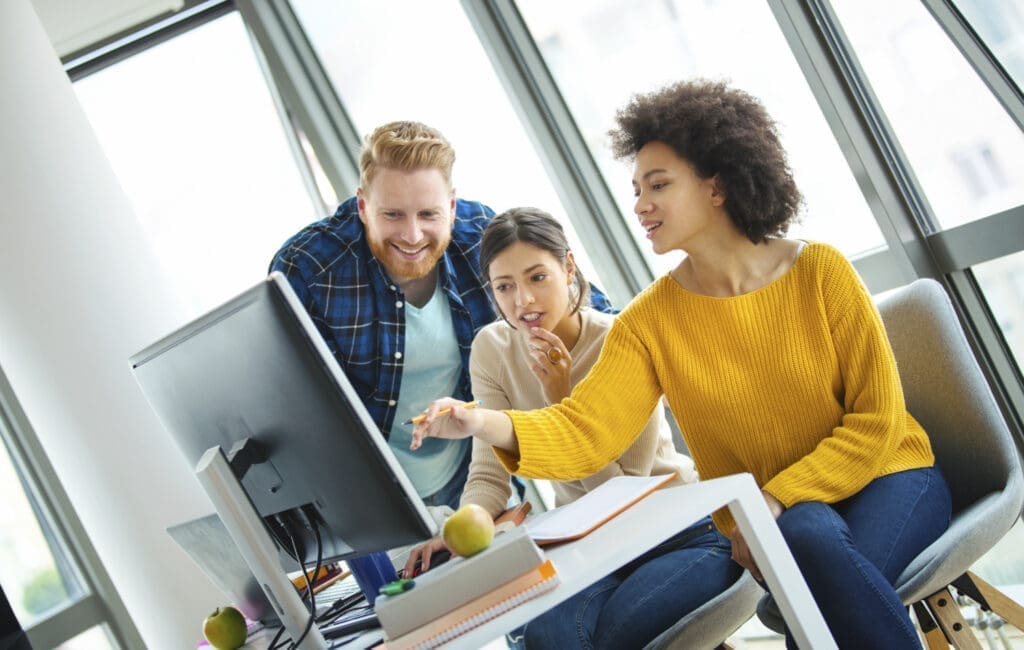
(771, 354)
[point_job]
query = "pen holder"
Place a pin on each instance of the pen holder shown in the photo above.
(371, 573)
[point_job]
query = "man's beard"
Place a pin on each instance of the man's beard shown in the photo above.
(399, 269)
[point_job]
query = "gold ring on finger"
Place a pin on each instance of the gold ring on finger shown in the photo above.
(554, 355)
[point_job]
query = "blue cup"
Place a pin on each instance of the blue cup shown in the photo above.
(372, 572)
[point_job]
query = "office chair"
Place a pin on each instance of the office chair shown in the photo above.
(947, 393)
(712, 623)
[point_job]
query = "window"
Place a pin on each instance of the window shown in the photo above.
(41, 571)
(1002, 281)
(1000, 24)
(408, 60)
(961, 144)
(34, 567)
(192, 132)
(602, 53)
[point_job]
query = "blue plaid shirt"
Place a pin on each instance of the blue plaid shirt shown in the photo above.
(356, 306)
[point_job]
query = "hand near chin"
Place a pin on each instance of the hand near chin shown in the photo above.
(551, 363)
(459, 422)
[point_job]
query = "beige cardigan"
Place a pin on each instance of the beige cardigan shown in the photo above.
(502, 380)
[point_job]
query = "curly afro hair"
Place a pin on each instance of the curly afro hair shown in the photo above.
(722, 132)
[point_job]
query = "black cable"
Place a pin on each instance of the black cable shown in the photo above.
(273, 642)
(340, 606)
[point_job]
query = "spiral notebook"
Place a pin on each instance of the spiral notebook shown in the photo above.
(537, 581)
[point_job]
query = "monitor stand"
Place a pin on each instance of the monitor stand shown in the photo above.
(256, 546)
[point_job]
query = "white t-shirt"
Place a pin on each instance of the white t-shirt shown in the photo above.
(430, 370)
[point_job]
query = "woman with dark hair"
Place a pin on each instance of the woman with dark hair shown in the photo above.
(771, 354)
(545, 343)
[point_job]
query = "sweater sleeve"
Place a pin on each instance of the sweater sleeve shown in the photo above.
(638, 459)
(875, 418)
(488, 482)
(593, 426)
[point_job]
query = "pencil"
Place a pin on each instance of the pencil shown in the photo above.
(330, 581)
(420, 418)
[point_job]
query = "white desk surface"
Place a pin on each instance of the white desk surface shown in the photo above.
(650, 522)
(645, 525)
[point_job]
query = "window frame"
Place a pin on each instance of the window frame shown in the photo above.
(100, 605)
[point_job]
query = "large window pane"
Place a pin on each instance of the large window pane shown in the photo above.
(34, 570)
(192, 132)
(964, 149)
(410, 60)
(1000, 24)
(601, 53)
(1002, 282)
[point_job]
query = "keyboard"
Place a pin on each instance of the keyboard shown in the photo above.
(354, 620)
(340, 589)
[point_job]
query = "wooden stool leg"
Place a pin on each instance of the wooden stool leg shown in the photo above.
(991, 599)
(933, 636)
(947, 614)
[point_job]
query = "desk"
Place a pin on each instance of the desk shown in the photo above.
(653, 520)
(650, 522)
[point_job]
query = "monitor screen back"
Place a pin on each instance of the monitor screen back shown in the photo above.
(257, 368)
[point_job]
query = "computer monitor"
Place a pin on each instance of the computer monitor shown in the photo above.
(255, 378)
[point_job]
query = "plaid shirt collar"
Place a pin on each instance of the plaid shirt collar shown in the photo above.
(360, 311)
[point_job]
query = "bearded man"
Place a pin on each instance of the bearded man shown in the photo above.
(392, 282)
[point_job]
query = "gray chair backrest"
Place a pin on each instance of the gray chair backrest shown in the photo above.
(947, 393)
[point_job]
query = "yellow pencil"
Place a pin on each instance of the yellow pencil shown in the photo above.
(420, 418)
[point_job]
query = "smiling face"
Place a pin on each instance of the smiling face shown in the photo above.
(531, 287)
(674, 204)
(408, 216)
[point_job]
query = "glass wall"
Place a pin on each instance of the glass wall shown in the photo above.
(601, 53)
(35, 571)
(406, 59)
(1000, 24)
(965, 150)
(1002, 281)
(51, 578)
(193, 134)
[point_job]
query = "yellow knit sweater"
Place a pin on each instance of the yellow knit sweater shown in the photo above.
(794, 382)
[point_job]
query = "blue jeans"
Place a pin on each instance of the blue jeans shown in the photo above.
(851, 552)
(636, 603)
(450, 494)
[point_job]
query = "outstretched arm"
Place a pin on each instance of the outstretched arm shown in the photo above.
(493, 427)
(578, 436)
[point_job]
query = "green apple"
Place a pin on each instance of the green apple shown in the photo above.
(468, 531)
(225, 628)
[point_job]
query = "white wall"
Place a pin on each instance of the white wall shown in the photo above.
(78, 295)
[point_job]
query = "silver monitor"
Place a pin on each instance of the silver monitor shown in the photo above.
(255, 378)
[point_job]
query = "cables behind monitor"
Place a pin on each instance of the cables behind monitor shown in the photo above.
(310, 523)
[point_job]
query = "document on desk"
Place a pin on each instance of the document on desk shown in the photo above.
(576, 519)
